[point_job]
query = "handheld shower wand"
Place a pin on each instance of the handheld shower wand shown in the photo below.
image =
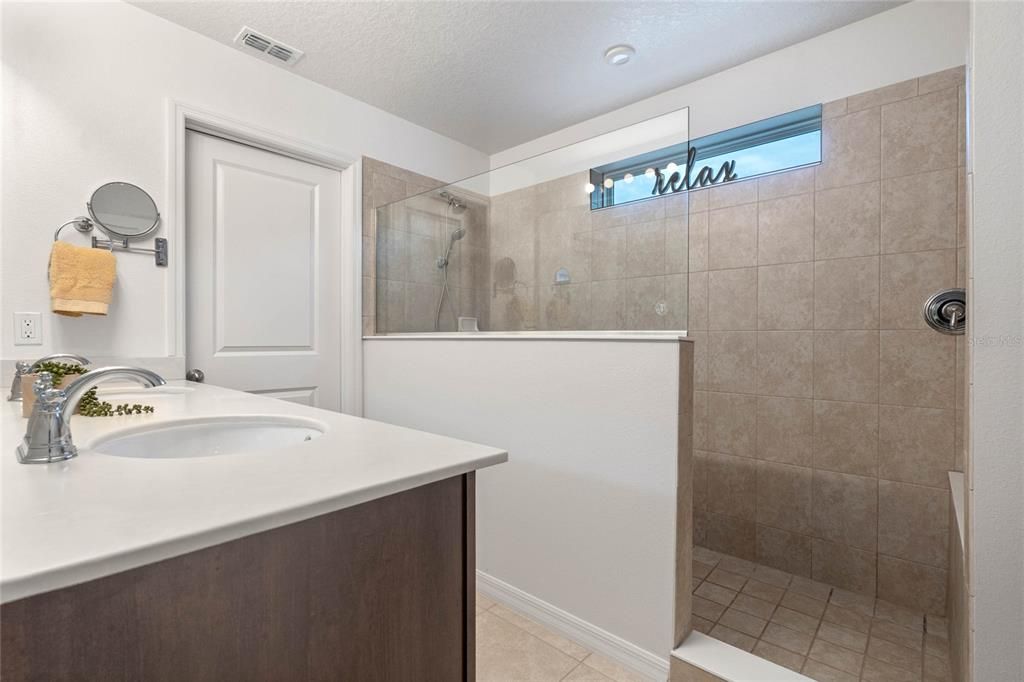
(455, 205)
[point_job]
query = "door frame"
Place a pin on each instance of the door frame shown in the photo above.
(182, 117)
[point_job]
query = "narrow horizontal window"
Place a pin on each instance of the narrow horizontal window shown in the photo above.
(774, 144)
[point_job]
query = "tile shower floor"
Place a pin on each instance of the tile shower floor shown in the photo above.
(827, 633)
(513, 648)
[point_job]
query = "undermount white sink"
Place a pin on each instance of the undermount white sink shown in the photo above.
(206, 437)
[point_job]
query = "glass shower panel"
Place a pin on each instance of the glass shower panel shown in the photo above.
(522, 248)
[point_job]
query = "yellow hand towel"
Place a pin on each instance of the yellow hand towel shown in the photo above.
(81, 279)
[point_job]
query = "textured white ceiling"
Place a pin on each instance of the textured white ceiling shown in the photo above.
(496, 74)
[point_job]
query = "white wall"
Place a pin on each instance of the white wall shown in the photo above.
(583, 514)
(85, 100)
(995, 310)
(908, 41)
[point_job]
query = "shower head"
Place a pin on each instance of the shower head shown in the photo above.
(457, 235)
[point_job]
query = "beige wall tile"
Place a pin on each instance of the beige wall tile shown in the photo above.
(847, 221)
(608, 253)
(915, 586)
(849, 150)
(731, 535)
(784, 496)
(698, 243)
(907, 280)
(919, 212)
(846, 437)
(732, 485)
(731, 421)
(608, 304)
(732, 361)
(700, 480)
(785, 362)
(785, 429)
(733, 193)
(699, 200)
(846, 293)
(917, 367)
(700, 419)
(846, 365)
(919, 134)
(698, 301)
(843, 566)
(845, 509)
(916, 445)
(677, 238)
(732, 299)
(785, 296)
(786, 183)
(913, 523)
(732, 237)
(783, 550)
(645, 249)
(643, 294)
(885, 95)
(565, 306)
(700, 358)
(785, 229)
(950, 78)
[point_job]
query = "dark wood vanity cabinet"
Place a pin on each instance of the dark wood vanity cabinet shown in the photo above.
(380, 591)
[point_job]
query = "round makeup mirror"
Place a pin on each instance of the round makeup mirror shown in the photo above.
(123, 210)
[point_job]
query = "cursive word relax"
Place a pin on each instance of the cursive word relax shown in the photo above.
(705, 176)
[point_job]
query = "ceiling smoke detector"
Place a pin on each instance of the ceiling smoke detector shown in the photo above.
(617, 55)
(269, 47)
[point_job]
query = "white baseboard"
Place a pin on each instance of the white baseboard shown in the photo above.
(595, 639)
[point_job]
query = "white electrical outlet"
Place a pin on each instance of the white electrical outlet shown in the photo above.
(28, 329)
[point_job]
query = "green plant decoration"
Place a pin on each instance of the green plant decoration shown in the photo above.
(91, 405)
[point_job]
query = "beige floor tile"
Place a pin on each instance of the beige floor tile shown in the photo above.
(705, 608)
(754, 606)
(584, 673)
(822, 673)
(846, 618)
(715, 593)
(894, 654)
(795, 620)
(897, 634)
(803, 604)
(738, 566)
(791, 640)
(778, 655)
(810, 588)
(937, 670)
(542, 633)
(743, 622)
(879, 671)
(484, 602)
(764, 591)
(730, 636)
(702, 624)
(844, 637)
(706, 556)
(897, 614)
(701, 570)
(611, 669)
(836, 657)
(861, 603)
(772, 576)
(936, 646)
(505, 652)
(733, 581)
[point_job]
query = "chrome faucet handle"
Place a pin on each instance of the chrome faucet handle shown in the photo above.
(21, 368)
(48, 436)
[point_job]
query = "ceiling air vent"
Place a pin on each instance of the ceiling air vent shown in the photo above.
(266, 45)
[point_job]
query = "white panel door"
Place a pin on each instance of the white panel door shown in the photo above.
(263, 283)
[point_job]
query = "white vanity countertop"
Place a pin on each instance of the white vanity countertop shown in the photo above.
(95, 515)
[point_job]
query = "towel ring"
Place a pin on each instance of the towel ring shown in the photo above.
(81, 223)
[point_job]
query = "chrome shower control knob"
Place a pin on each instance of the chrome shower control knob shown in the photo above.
(195, 375)
(946, 311)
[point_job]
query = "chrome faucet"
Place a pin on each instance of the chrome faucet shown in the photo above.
(48, 436)
(22, 368)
